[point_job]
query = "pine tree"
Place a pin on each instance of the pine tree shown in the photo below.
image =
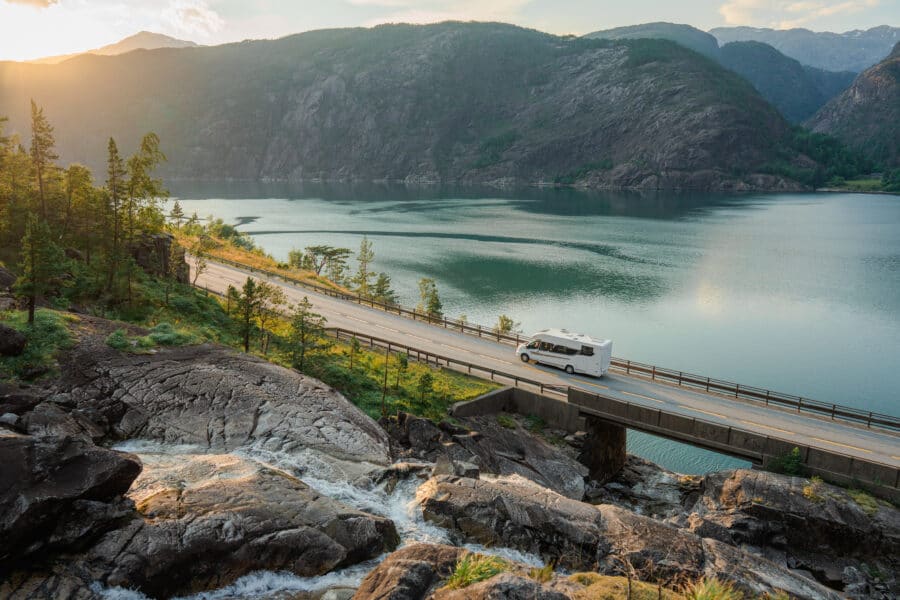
(307, 332)
(248, 305)
(43, 153)
(430, 300)
(115, 175)
(363, 278)
(382, 291)
(42, 260)
(177, 214)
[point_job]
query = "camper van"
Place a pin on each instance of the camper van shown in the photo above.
(574, 352)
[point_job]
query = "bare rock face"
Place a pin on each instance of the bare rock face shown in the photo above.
(205, 520)
(580, 536)
(58, 493)
(805, 524)
(215, 398)
(493, 448)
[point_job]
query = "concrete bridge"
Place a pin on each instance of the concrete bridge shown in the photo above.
(606, 419)
(842, 444)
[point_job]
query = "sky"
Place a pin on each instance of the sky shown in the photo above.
(36, 28)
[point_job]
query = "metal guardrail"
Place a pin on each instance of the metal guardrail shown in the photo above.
(439, 360)
(732, 390)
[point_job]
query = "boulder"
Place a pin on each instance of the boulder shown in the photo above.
(17, 400)
(410, 573)
(205, 520)
(58, 493)
(806, 524)
(58, 584)
(12, 342)
(220, 400)
(578, 536)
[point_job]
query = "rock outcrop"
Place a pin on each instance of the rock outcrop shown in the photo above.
(219, 400)
(493, 448)
(160, 255)
(205, 520)
(58, 493)
(580, 536)
(409, 573)
(800, 523)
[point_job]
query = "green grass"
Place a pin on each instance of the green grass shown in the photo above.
(46, 337)
(712, 589)
(506, 421)
(473, 568)
(543, 574)
(866, 501)
(862, 185)
(162, 334)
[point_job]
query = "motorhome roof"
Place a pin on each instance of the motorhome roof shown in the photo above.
(568, 335)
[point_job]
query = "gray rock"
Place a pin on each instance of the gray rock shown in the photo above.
(12, 342)
(579, 536)
(9, 419)
(206, 520)
(447, 466)
(215, 398)
(58, 493)
(409, 573)
(819, 527)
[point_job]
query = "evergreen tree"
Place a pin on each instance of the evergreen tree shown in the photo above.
(364, 275)
(248, 306)
(115, 176)
(382, 291)
(307, 332)
(42, 260)
(177, 214)
(430, 300)
(43, 154)
(142, 194)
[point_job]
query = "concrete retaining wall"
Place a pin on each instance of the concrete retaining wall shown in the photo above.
(558, 414)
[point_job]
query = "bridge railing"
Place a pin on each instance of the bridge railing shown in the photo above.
(439, 360)
(835, 412)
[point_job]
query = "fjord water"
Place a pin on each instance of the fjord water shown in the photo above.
(798, 293)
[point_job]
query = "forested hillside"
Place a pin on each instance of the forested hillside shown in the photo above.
(451, 102)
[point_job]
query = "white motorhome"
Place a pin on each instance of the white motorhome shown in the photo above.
(574, 352)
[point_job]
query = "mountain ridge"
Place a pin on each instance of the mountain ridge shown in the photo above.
(142, 40)
(867, 115)
(447, 103)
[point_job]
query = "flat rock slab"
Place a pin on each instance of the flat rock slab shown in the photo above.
(218, 399)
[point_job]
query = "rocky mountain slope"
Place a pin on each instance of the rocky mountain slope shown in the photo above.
(463, 103)
(849, 51)
(796, 90)
(867, 115)
(143, 40)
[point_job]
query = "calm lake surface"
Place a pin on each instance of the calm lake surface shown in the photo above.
(798, 293)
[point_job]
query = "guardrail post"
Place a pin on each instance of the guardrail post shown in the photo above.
(680, 376)
(833, 408)
(800, 404)
(737, 389)
(707, 384)
(653, 374)
(628, 367)
(869, 422)
(768, 395)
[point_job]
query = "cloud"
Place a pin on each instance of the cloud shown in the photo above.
(192, 17)
(785, 15)
(430, 11)
(34, 3)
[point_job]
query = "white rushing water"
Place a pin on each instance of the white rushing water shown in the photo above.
(332, 479)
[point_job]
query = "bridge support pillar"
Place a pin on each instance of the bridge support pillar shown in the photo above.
(604, 449)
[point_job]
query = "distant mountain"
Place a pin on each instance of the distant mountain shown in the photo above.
(687, 36)
(867, 115)
(145, 40)
(797, 91)
(851, 51)
(449, 103)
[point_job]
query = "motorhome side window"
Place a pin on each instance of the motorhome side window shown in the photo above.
(533, 345)
(587, 350)
(546, 347)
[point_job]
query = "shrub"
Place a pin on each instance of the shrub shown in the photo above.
(787, 464)
(535, 424)
(506, 421)
(118, 340)
(865, 500)
(542, 575)
(45, 337)
(165, 334)
(711, 589)
(473, 568)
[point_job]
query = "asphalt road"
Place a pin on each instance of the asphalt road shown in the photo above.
(850, 439)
